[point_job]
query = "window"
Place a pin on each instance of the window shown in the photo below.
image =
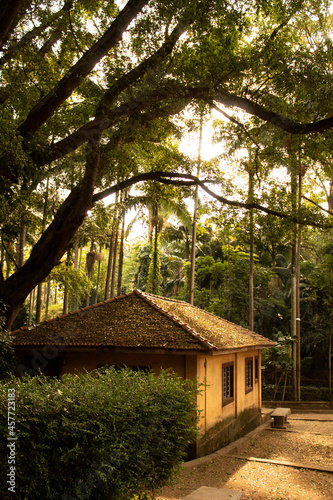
(227, 383)
(248, 374)
(256, 369)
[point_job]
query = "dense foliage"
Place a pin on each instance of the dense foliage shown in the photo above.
(100, 435)
(91, 96)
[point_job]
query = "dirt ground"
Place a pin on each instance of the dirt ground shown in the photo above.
(307, 441)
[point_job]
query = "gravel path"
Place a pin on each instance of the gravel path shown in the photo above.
(308, 440)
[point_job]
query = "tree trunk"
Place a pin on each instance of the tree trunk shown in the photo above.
(330, 197)
(298, 279)
(40, 285)
(251, 283)
(121, 250)
(39, 302)
(54, 242)
(65, 301)
(111, 252)
(294, 287)
(76, 254)
(98, 275)
(47, 301)
(330, 365)
(31, 305)
(115, 251)
(194, 226)
(8, 14)
(20, 248)
(65, 307)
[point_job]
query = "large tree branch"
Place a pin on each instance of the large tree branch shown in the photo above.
(9, 11)
(42, 111)
(276, 119)
(105, 116)
(167, 101)
(35, 32)
(183, 179)
(54, 242)
(128, 110)
(148, 64)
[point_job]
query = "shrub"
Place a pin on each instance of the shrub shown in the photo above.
(97, 435)
(307, 393)
(8, 361)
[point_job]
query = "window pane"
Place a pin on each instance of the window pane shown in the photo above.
(227, 383)
(248, 374)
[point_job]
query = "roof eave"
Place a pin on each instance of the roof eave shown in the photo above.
(117, 349)
(231, 350)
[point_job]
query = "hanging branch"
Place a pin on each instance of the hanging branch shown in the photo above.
(316, 204)
(182, 179)
(233, 120)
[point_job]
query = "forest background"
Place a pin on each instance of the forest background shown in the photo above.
(96, 100)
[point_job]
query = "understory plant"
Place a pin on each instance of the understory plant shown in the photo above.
(101, 435)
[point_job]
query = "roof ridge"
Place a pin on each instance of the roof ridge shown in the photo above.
(169, 299)
(150, 299)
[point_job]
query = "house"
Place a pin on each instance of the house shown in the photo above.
(144, 331)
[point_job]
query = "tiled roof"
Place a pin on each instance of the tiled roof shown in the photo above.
(141, 320)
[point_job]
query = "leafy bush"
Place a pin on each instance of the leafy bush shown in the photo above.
(8, 361)
(97, 435)
(307, 393)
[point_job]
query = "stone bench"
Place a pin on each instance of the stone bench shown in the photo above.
(280, 416)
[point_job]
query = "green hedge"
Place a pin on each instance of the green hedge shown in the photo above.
(98, 435)
(308, 393)
(8, 360)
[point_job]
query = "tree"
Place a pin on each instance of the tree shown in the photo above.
(70, 120)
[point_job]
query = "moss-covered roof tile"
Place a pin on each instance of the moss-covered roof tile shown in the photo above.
(142, 320)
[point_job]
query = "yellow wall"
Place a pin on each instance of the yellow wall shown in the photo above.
(183, 366)
(210, 399)
(207, 369)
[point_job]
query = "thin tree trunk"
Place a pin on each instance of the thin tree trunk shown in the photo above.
(294, 288)
(111, 253)
(194, 226)
(251, 279)
(98, 275)
(298, 298)
(65, 302)
(330, 365)
(155, 284)
(20, 248)
(121, 250)
(47, 301)
(115, 251)
(40, 286)
(76, 254)
(31, 305)
(66, 293)
(80, 257)
(39, 302)
(109, 268)
(330, 197)
(284, 386)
